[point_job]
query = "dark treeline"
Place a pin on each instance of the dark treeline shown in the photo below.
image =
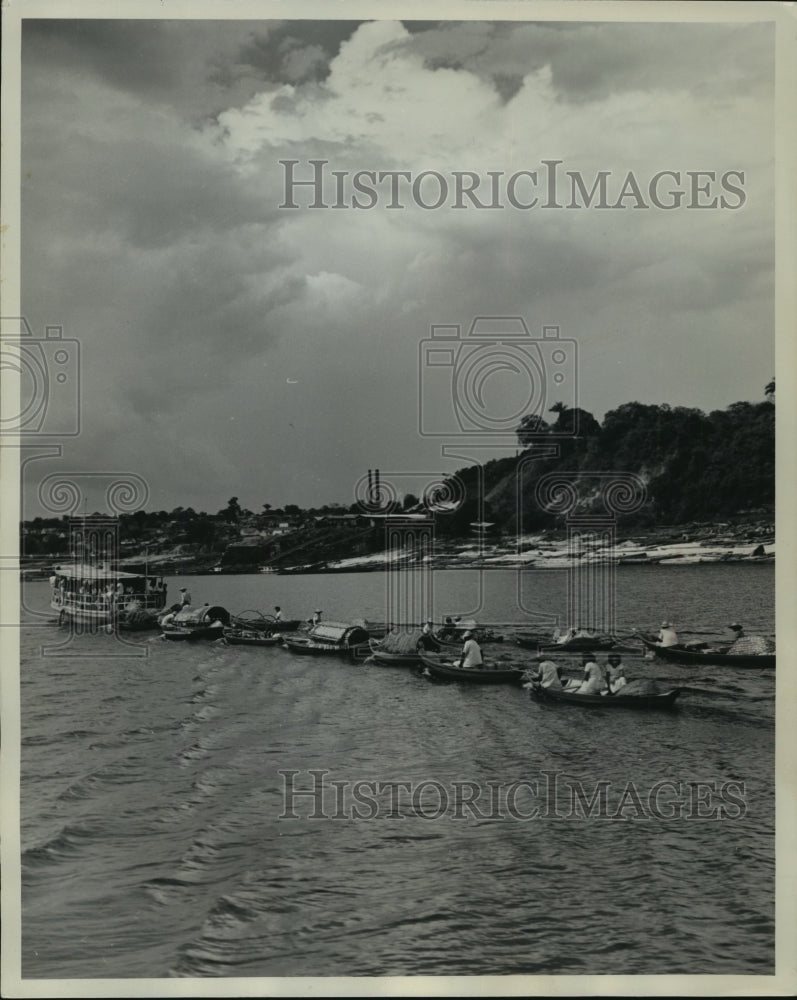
(184, 526)
(696, 467)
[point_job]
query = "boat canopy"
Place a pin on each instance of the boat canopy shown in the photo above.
(85, 571)
(338, 633)
(205, 615)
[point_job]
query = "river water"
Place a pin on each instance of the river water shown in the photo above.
(213, 811)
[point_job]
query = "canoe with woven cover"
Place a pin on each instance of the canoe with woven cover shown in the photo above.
(708, 656)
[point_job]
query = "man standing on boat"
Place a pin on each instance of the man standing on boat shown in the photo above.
(277, 613)
(185, 598)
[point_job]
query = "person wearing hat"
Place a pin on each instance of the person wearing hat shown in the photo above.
(315, 620)
(738, 633)
(667, 635)
(185, 598)
(428, 640)
(615, 673)
(471, 652)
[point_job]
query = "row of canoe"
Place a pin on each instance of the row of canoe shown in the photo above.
(247, 636)
(440, 667)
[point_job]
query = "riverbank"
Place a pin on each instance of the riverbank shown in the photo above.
(682, 545)
(539, 552)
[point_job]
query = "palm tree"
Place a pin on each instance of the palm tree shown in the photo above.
(769, 392)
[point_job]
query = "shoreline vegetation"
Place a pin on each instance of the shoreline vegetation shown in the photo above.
(693, 488)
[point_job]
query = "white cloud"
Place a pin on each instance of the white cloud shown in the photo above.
(162, 246)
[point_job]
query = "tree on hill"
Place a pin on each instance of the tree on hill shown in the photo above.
(570, 422)
(232, 512)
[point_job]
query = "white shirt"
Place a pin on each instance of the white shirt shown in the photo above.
(549, 675)
(668, 637)
(594, 682)
(471, 654)
(277, 616)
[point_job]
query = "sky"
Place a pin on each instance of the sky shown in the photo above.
(233, 347)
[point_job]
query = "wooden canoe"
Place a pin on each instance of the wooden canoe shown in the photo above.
(577, 645)
(264, 623)
(249, 637)
(707, 657)
(395, 659)
(443, 669)
(386, 658)
(652, 701)
(181, 633)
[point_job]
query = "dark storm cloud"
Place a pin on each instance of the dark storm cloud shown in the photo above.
(296, 51)
(198, 68)
(215, 327)
(589, 62)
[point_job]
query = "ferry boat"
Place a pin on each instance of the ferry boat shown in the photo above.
(99, 595)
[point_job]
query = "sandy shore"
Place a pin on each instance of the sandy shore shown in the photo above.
(542, 552)
(750, 542)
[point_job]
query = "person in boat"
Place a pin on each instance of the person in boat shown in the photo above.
(168, 619)
(738, 632)
(747, 645)
(615, 673)
(667, 635)
(428, 640)
(448, 631)
(547, 675)
(277, 613)
(594, 678)
(471, 652)
(560, 638)
(316, 619)
(185, 598)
